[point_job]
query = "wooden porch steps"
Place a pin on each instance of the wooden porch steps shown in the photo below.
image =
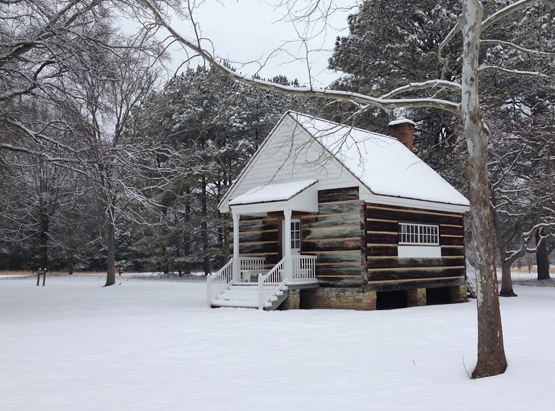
(245, 295)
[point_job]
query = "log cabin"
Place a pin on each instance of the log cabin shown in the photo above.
(326, 215)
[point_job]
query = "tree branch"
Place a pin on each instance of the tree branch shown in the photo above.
(423, 86)
(519, 5)
(302, 91)
(513, 46)
(512, 72)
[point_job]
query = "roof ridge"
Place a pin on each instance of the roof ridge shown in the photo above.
(341, 125)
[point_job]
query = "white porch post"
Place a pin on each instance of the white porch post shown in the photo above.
(236, 262)
(288, 265)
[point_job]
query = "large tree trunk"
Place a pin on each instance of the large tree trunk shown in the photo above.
(542, 257)
(506, 280)
(491, 352)
(111, 254)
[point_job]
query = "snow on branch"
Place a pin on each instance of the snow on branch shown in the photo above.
(513, 72)
(519, 5)
(514, 46)
(444, 84)
(301, 91)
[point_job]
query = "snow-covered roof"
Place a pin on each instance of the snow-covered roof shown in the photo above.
(381, 163)
(273, 192)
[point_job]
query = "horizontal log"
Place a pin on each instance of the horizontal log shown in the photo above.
(338, 257)
(315, 233)
(413, 216)
(372, 225)
(382, 238)
(339, 270)
(257, 226)
(338, 282)
(450, 241)
(253, 236)
(332, 220)
(381, 250)
(351, 206)
(351, 243)
(408, 274)
(266, 248)
(393, 285)
(389, 262)
(447, 251)
(258, 254)
(338, 194)
(412, 209)
(451, 230)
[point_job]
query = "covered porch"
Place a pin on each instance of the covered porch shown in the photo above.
(250, 281)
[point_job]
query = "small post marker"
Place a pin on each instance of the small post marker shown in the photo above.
(41, 271)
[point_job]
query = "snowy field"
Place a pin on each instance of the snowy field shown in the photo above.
(154, 345)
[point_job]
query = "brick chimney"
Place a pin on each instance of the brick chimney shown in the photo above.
(402, 130)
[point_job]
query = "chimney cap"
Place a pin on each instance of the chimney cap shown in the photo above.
(401, 121)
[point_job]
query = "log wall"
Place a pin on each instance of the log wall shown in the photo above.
(383, 265)
(258, 237)
(336, 236)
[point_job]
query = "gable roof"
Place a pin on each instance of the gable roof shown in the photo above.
(380, 163)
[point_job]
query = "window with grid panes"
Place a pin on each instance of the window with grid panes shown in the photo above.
(295, 234)
(418, 234)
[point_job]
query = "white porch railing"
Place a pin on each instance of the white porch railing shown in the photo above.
(271, 284)
(252, 263)
(217, 284)
(303, 267)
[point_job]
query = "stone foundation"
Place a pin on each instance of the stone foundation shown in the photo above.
(458, 294)
(292, 302)
(416, 297)
(338, 298)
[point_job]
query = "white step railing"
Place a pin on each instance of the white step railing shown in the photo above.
(252, 263)
(303, 267)
(218, 283)
(271, 284)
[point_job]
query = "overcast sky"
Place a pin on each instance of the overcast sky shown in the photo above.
(250, 30)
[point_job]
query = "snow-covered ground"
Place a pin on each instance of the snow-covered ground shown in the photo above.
(154, 345)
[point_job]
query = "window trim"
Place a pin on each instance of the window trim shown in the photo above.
(418, 233)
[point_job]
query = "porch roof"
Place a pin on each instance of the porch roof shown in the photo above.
(293, 195)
